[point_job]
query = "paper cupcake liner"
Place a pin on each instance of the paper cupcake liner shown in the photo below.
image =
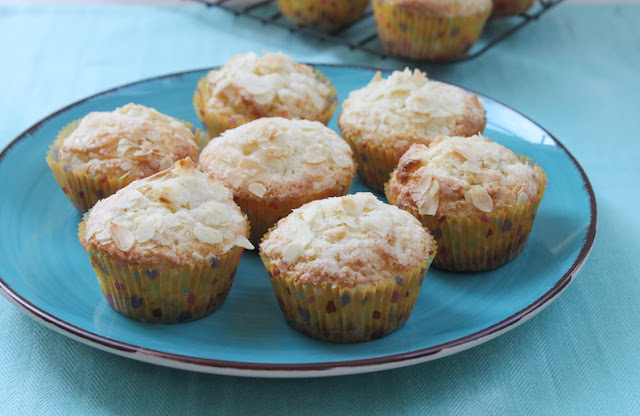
(163, 294)
(482, 242)
(345, 315)
(410, 34)
(264, 213)
(215, 123)
(375, 164)
(325, 14)
(83, 188)
(510, 7)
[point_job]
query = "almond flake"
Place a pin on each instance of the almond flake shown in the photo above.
(207, 234)
(428, 205)
(480, 198)
(140, 153)
(471, 167)
(257, 189)
(342, 160)
(251, 163)
(291, 252)
(103, 236)
(491, 162)
(235, 178)
(121, 236)
(304, 236)
(424, 183)
(243, 242)
(146, 230)
(315, 155)
(353, 205)
(419, 103)
(130, 199)
(317, 101)
(522, 198)
(465, 153)
(310, 213)
(126, 165)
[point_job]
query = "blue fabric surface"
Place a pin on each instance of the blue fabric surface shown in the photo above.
(576, 72)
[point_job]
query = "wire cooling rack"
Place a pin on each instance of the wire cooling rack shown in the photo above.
(361, 35)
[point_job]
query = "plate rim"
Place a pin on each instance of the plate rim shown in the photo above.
(253, 369)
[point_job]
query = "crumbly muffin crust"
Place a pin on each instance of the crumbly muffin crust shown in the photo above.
(133, 141)
(248, 87)
(462, 176)
(446, 8)
(349, 241)
(277, 158)
(175, 217)
(408, 108)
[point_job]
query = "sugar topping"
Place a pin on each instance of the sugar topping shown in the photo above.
(271, 156)
(132, 140)
(268, 82)
(457, 174)
(178, 215)
(408, 108)
(354, 239)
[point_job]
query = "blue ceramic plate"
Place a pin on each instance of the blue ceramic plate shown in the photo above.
(44, 270)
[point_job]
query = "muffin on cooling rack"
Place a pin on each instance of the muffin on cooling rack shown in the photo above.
(249, 87)
(104, 151)
(347, 269)
(381, 120)
(322, 13)
(477, 197)
(510, 7)
(165, 248)
(435, 30)
(273, 165)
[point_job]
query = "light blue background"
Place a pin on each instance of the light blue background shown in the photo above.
(576, 72)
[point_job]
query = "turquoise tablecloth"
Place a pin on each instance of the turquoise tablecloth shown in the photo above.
(576, 71)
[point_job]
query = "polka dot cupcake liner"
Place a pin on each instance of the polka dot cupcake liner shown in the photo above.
(163, 294)
(264, 213)
(485, 242)
(374, 163)
(409, 33)
(344, 315)
(215, 123)
(84, 189)
(510, 7)
(332, 14)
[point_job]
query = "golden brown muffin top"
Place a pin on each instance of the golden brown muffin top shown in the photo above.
(446, 8)
(133, 140)
(408, 108)
(248, 87)
(462, 176)
(175, 217)
(347, 241)
(278, 158)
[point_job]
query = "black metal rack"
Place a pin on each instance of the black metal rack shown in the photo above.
(362, 34)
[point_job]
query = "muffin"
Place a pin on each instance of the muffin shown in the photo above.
(326, 14)
(273, 165)
(510, 7)
(165, 248)
(105, 151)
(435, 30)
(381, 120)
(477, 197)
(249, 87)
(347, 269)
